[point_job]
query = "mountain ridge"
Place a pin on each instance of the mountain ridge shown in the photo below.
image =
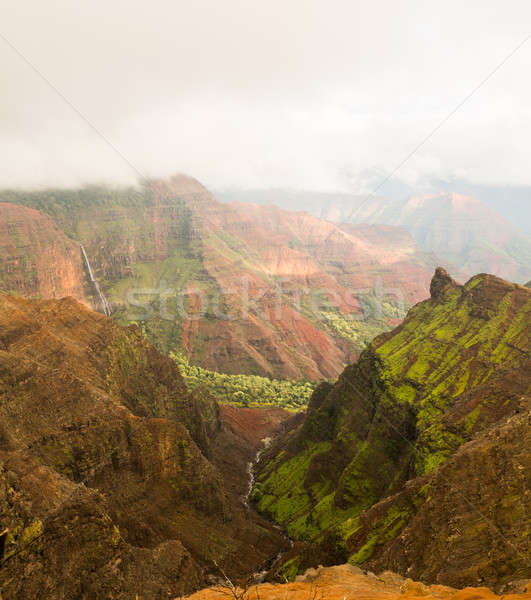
(460, 231)
(373, 472)
(253, 280)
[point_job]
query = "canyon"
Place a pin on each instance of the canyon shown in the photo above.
(458, 230)
(114, 479)
(239, 288)
(117, 481)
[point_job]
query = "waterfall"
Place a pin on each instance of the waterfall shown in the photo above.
(104, 304)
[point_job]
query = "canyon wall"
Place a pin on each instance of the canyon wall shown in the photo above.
(239, 288)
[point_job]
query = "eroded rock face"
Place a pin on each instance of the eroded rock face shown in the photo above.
(463, 232)
(346, 582)
(37, 259)
(440, 282)
(272, 272)
(417, 459)
(105, 484)
(472, 527)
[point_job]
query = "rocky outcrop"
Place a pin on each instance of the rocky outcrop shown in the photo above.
(106, 488)
(348, 582)
(440, 283)
(416, 460)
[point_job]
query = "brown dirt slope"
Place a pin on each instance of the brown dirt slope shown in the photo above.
(106, 487)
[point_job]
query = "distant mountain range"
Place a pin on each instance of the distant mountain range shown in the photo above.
(461, 232)
(511, 201)
(240, 288)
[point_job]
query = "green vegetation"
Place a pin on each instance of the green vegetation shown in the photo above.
(246, 390)
(359, 332)
(444, 350)
(65, 205)
(281, 493)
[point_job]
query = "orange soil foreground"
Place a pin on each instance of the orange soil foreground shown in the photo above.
(349, 583)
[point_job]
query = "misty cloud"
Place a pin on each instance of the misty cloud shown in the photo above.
(256, 93)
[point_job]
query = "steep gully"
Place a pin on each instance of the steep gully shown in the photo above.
(104, 304)
(235, 450)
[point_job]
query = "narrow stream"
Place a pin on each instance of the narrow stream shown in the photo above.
(260, 576)
(251, 466)
(104, 304)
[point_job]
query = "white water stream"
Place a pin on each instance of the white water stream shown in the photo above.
(104, 304)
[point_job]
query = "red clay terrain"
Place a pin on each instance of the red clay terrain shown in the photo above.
(37, 258)
(288, 281)
(465, 234)
(461, 231)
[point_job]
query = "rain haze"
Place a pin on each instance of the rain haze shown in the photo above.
(261, 94)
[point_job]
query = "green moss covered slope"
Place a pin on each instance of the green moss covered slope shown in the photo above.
(457, 368)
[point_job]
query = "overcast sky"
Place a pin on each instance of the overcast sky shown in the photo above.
(262, 93)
